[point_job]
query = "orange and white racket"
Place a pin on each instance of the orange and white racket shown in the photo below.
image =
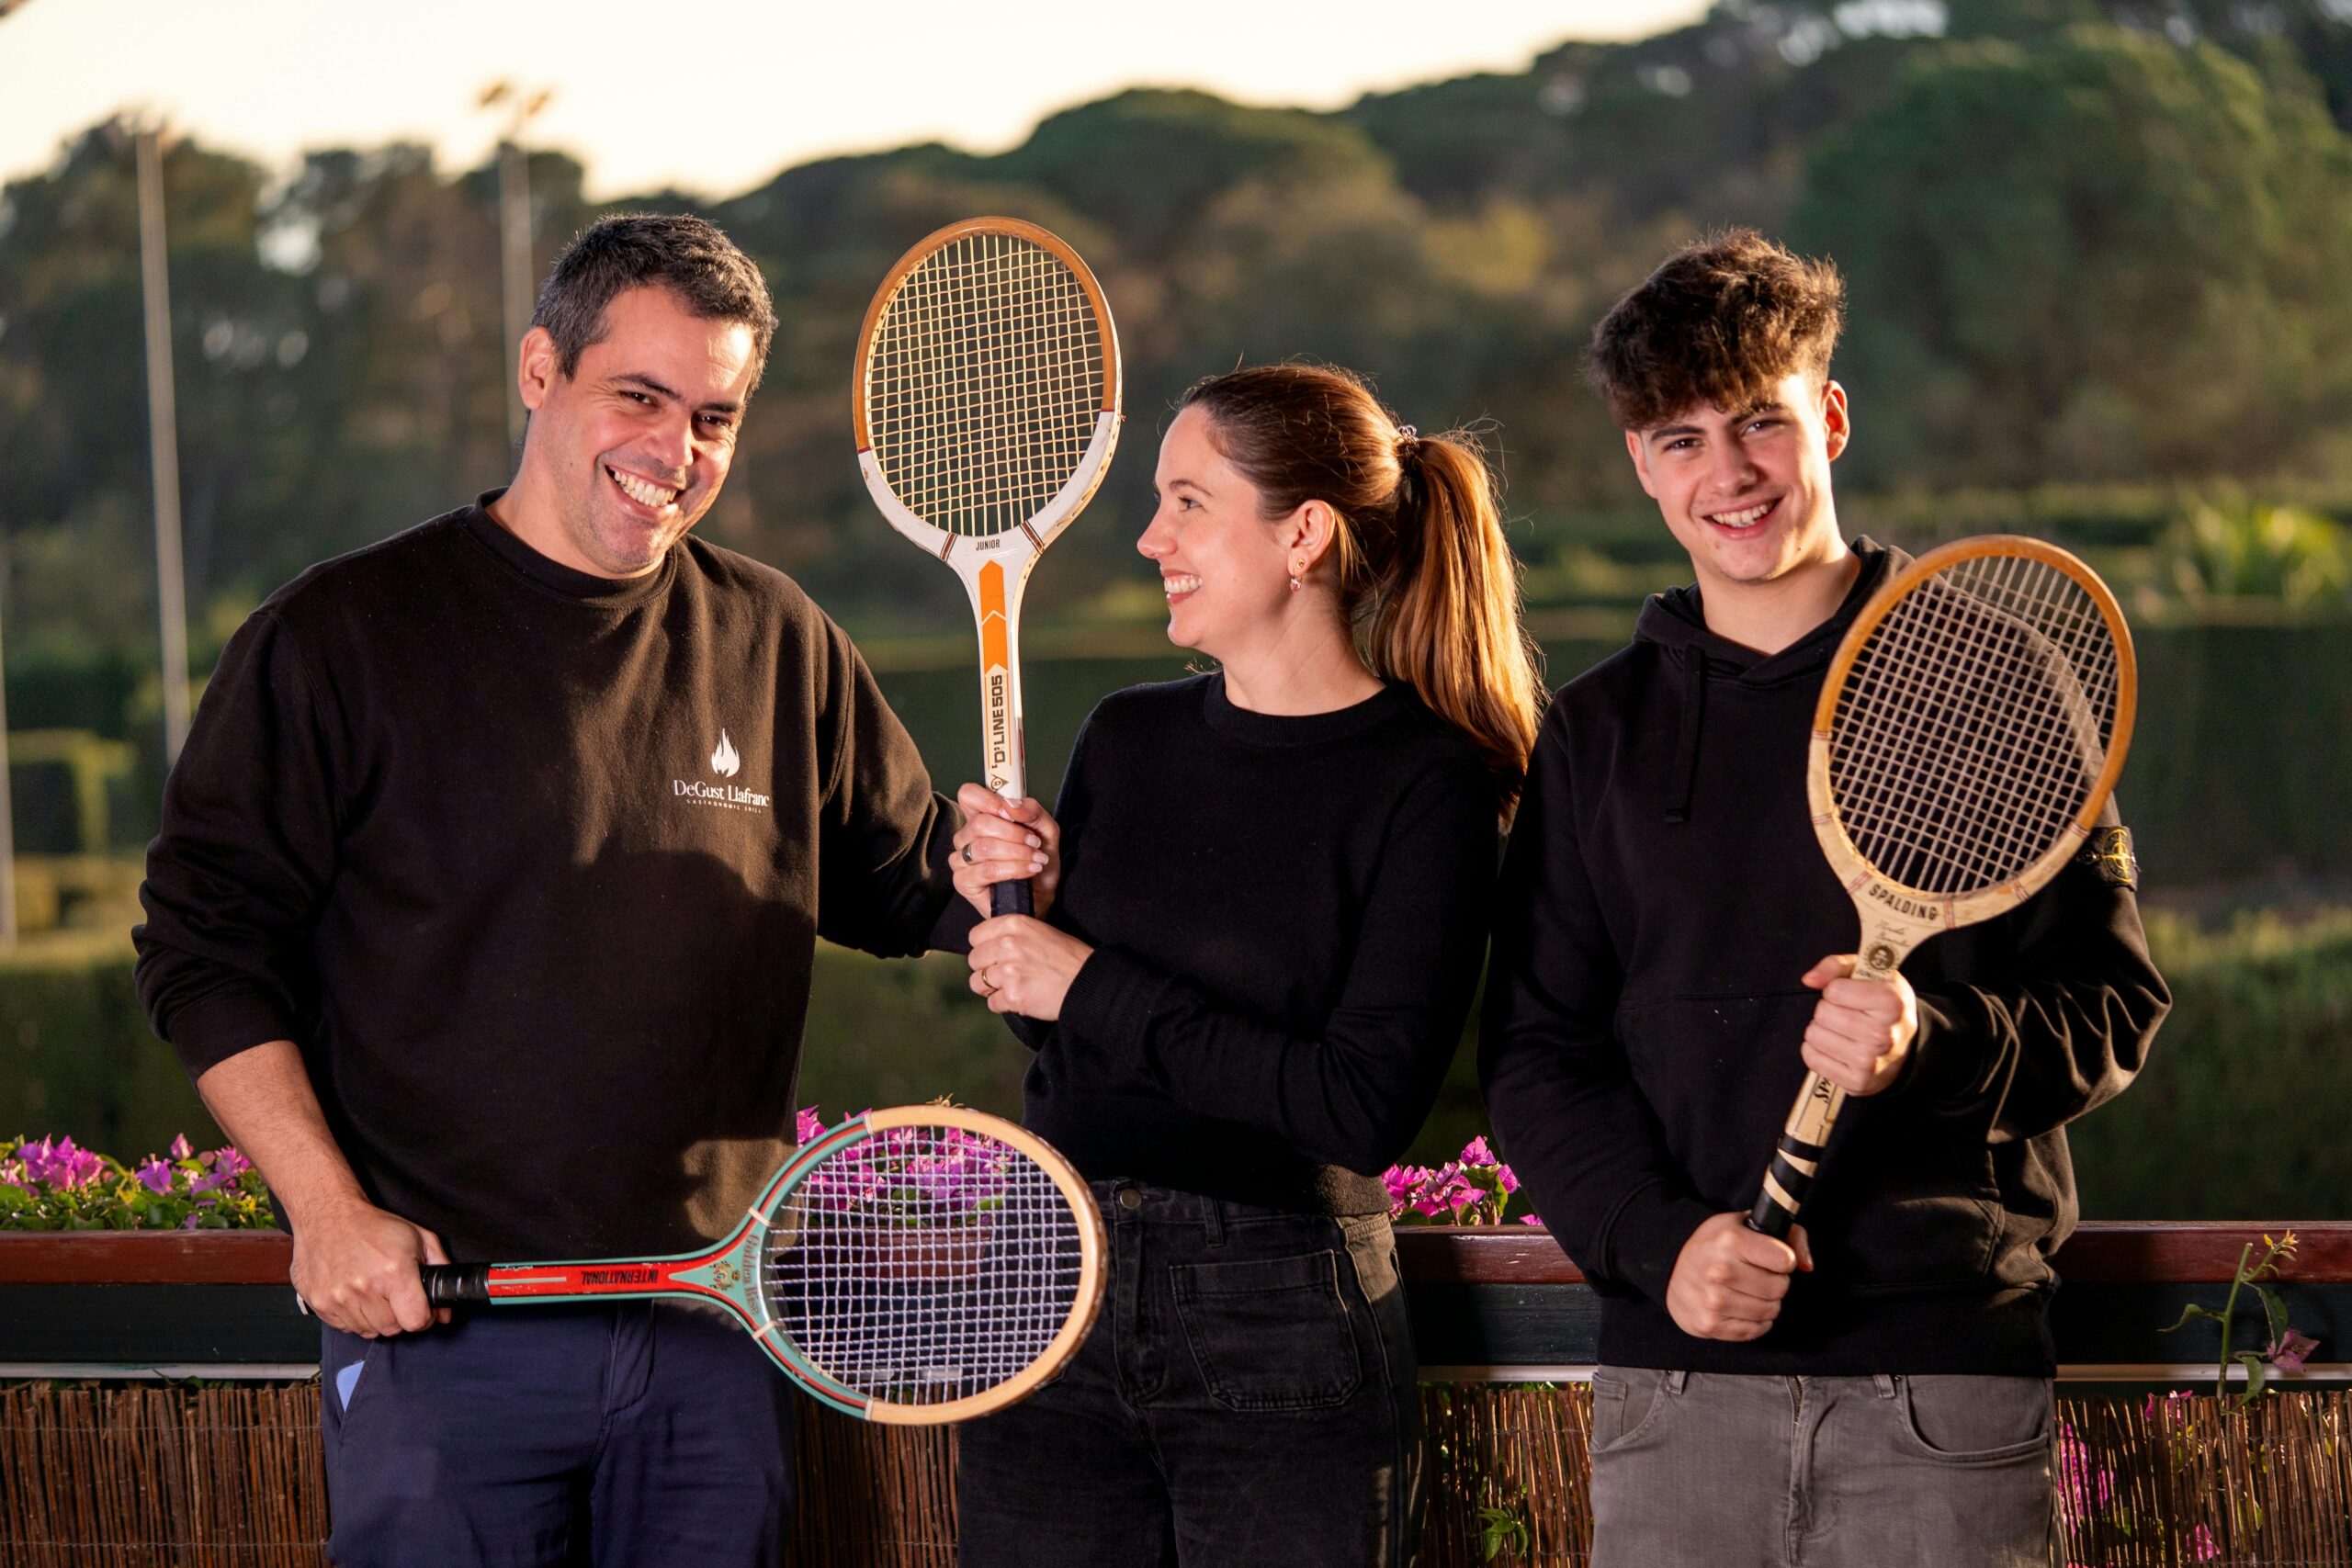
(987, 403)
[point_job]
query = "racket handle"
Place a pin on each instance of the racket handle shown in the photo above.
(454, 1284)
(1011, 898)
(1796, 1158)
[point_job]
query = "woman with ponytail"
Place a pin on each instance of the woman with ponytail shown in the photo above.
(1261, 916)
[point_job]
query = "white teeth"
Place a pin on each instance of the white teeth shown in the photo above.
(641, 491)
(1741, 519)
(1181, 582)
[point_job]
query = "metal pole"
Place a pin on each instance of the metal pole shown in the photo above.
(163, 433)
(7, 805)
(515, 256)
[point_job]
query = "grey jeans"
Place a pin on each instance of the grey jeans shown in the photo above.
(1723, 1472)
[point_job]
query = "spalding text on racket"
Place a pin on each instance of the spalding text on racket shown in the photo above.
(986, 404)
(913, 1265)
(1969, 732)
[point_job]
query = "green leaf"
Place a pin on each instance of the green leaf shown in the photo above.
(2191, 1311)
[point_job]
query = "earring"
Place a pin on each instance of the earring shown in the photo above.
(1295, 568)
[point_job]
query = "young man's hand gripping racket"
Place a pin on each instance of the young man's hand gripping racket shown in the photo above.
(1969, 731)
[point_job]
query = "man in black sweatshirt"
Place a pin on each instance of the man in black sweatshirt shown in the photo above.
(484, 914)
(1877, 1393)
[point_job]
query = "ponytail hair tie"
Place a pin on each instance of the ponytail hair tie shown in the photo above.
(1408, 441)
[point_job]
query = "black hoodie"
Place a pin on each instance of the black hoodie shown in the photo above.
(1662, 893)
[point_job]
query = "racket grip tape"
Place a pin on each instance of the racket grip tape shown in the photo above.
(1011, 898)
(454, 1284)
(1786, 1182)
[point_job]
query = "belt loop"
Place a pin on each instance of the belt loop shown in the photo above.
(1887, 1385)
(1675, 1381)
(1214, 1213)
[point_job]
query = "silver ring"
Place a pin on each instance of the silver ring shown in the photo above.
(967, 854)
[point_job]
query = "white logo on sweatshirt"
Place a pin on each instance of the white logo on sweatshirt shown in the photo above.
(726, 761)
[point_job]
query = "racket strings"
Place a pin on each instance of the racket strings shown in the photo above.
(1973, 725)
(925, 1264)
(984, 383)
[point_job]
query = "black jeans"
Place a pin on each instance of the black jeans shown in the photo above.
(1247, 1397)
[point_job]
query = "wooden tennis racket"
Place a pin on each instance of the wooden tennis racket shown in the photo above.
(914, 1265)
(987, 403)
(1969, 731)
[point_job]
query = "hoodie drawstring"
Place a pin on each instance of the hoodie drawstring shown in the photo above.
(1690, 664)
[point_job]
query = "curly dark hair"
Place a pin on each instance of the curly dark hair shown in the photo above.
(693, 259)
(1719, 323)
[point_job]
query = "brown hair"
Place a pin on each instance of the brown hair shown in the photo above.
(692, 258)
(1427, 583)
(1719, 323)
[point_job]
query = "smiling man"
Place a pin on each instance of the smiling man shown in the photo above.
(484, 913)
(1668, 962)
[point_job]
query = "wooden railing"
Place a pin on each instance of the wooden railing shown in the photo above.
(1489, 1302)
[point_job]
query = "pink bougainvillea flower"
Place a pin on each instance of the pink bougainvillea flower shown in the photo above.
(230, 1161)
(181, 1148)
(211, 1180)
(1476, 1152)
(2202, 1547)
(807, 1125)
(2290, 1350)
(155, 1176)
(2087, 1487)
(1531, 1219)
(58, 1163)
(1510, 1182)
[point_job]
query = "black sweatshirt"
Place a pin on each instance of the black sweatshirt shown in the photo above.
(1287, 914)
(530, 864)
(1661, 896)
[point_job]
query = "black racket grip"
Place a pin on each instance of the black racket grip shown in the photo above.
(1011, 898)
(1776, 1210)
(454, 1284)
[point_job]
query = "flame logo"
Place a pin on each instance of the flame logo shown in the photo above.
(726, 761)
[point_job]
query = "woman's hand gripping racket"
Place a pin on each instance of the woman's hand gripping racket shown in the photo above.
(987, 403)
(914, 1265)
(1969, 732)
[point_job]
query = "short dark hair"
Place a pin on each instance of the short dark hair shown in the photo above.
(1720, 322)
(691, 258)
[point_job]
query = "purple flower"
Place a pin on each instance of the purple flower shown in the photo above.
(191, 1222)
(807, 1125)
(59, 1163)
(1476, 1152)
(2085, 1487)
(2202, 1547)
(155, 1176)
(1510, 1182)
(229, 1162)
(2289, 1353)
(181, 1148)
(1531, 1219)
(209, 1182)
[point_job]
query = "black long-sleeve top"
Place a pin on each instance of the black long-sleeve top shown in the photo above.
(530, 864)
(1662, 893)
(1288, 915)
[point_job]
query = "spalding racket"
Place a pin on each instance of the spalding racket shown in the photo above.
(914, 1265)
(987, 403)
(1969, 731)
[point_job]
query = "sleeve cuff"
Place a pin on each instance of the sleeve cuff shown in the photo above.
(1936, 1058)
(1645, 1239)
(1109, 1001)
(210, 1030)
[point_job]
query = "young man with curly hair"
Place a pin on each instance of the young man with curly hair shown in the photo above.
(1671, 959)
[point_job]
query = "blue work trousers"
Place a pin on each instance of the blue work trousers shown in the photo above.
(635, 1433)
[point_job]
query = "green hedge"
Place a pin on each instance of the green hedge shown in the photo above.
(2238, 1116)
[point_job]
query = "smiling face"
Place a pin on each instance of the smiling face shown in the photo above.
(1226, 569)
(628, 453)
(1746, 490)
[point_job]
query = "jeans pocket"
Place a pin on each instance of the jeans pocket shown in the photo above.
(347, 1365)
(1973, 1421)
(1270, 1332)
(1625, 1402)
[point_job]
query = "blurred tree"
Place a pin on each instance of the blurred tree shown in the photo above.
(2100, 256)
